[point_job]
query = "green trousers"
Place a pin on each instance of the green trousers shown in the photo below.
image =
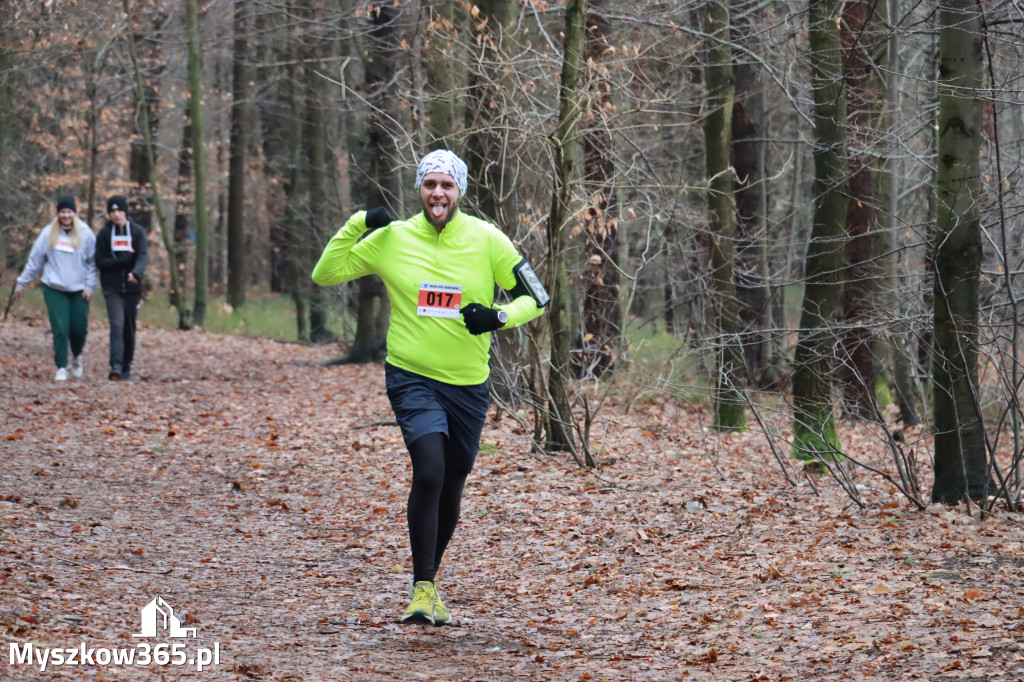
(69, 322)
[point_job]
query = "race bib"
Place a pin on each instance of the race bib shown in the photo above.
(121, 242)
(439, 300)
(64, 243)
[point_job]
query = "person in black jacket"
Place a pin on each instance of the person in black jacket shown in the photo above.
(122, 253)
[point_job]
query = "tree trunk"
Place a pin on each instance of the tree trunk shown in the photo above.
(814, 431)
(669, 297)
(174, 266)
(321, 215)
(748, 150)
(730, 412)
(237, 164)
(91, 95)
(443, 57)
(195, 110)
(860, 273)
(380, 186)
(961, 460)
(602, 318)
(859, 373)
(895, 346)
(296, 227)
(487, 144)
(9, 84)
(560, 420)
(182, 233)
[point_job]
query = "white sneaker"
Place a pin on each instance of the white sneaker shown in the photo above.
(76, 367)
(62, 375)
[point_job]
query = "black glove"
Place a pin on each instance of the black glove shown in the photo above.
(377, 217)
(480, 319)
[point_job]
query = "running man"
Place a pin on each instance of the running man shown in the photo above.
(440, 268)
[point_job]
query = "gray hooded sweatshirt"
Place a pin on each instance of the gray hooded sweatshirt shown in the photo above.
(63, 270)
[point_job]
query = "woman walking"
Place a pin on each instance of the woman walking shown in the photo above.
(64, 253)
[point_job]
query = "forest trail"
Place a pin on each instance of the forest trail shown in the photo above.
(262, 496)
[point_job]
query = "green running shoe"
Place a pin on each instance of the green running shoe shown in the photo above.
(422, 608)
(441, 615)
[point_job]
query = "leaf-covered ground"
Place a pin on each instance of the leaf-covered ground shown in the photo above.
(263, 497)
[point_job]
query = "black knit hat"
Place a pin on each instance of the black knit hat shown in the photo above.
(66, 202)
(118, 203)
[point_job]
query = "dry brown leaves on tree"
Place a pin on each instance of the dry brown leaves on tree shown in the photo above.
(263, 497)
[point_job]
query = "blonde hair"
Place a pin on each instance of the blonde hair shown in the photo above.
(75, 232)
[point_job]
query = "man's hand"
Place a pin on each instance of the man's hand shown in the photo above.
(377, 217)
(480, 319)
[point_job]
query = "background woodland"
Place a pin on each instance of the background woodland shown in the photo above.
(785, 212)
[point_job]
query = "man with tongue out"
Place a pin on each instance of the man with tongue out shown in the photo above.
(439, 267)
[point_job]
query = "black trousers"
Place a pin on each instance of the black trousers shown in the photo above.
(122, 311)
(441, 424)
(439, 475)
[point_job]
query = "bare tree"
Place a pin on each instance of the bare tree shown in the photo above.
(748, 158)
(489, 150)
(442, 52)
(167, 233)
(860, 274)
(379, 182)
(560, 421)
(893, 348)
(814, 430)
(602, 317)
(730, 407)
(201, 214)
(240, 123)
(961, 457)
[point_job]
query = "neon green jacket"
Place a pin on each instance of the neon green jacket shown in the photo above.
(468, 252)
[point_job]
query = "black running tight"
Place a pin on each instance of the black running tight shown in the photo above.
(439, 471)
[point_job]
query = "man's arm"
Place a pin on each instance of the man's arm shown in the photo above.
(345, 258)
(106, 257)
(521, 310)
(141, 246)
(514, 274)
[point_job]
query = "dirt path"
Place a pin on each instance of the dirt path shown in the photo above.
(262, 497)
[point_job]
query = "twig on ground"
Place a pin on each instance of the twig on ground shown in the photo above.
(386, 422)
(107, 568)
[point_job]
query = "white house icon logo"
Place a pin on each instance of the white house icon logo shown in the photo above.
(159, 613)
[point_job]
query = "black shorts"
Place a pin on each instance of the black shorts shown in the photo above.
(423, 405)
